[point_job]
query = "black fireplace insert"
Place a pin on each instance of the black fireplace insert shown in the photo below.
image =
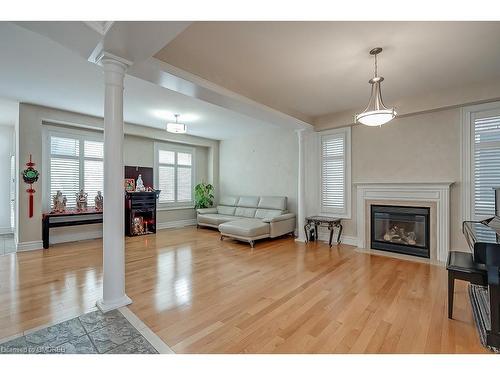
(400, 229)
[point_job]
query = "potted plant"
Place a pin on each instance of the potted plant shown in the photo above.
(203, 195)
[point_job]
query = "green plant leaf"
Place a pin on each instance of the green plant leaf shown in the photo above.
(203, 195)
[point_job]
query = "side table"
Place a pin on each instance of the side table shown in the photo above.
(323, 221)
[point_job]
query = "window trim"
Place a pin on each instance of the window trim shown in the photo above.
(467, 151)
(176, 148)
(346, 212)
(49, 131)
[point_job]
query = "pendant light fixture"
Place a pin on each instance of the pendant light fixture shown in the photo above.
(376, 113)
(176, 127)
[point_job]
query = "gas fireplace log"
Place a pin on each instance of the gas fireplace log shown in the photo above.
(399, 235)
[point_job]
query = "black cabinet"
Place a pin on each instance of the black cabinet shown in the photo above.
(140, 213)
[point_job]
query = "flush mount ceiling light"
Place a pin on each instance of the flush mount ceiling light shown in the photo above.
(376, 113)
(176, 127)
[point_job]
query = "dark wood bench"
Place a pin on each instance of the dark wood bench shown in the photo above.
(67, 219)
(461, 266)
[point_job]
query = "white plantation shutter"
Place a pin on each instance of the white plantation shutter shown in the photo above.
(175, 175)
(75, 163)
(93, 179)
(65, 176)
(486, 161)
(65, 167)
(166, 183)
(166, 157)
(93, 175)
(184, 185)
(94, 149)
(335, 174)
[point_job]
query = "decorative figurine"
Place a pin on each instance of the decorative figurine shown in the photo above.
(30, 176)
(138, 225)
(59, 202)
(98, 201)
(81, 200)
(139, 185)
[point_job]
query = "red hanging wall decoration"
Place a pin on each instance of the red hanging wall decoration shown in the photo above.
(30, 176)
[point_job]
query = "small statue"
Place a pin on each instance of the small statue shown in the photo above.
(59, 202)
(138, 225)
(139, 185)
(98, 201)
(81, 200)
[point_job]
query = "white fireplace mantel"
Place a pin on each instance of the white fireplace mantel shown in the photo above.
(408, 191)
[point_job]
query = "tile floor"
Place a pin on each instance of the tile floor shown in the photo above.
(92, 333)
(7, 244)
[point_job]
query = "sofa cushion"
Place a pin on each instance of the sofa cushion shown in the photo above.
(263, 213)
(274, 203)
(214, 219)
(245, 228)
(248, 202)
(245, 212)
(226, 210)
(228, 201)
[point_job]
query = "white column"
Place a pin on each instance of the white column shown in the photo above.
(301, 194)
(113, 212)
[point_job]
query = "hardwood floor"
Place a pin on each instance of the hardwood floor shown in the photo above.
(201, 295)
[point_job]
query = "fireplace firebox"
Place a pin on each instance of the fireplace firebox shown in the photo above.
(400, 229)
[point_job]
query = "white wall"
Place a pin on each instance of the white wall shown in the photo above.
(6, 150)
(261, 164)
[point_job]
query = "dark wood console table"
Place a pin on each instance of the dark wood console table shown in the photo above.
(73, 217)
(323, 221)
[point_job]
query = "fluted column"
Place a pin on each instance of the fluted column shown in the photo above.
(113, 212)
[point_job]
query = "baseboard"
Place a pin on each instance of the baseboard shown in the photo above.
(6, 230)
(89, 235)
(176, 224)
(29, 245)
(348, 240)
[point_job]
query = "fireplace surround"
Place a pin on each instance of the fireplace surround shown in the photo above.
(400, 229)
(426, 194)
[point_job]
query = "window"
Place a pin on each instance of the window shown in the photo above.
(335, 163)
(175, 174)
(75, 162)
(483, 154)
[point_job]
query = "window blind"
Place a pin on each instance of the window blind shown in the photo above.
(333, 149)
(175, 176)
(166, 182)
(64, 168)
(75, 163)
(486, 163)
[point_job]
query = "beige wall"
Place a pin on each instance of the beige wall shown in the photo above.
(138, 150)
(261, 164)
(418, 148)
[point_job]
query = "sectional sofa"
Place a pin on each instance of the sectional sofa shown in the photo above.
(249, 218)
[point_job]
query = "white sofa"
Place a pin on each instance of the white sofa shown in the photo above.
(249, 218)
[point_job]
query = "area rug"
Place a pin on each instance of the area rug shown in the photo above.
(92, 333)
(480, 302)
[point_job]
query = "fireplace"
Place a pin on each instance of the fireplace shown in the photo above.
(400, 229)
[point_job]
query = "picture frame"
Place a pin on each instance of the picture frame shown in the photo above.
(129, 184)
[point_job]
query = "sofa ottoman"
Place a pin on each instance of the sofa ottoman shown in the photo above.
(245, 230)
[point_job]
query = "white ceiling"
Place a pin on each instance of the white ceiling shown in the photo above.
(311, 69)
(37, 70)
